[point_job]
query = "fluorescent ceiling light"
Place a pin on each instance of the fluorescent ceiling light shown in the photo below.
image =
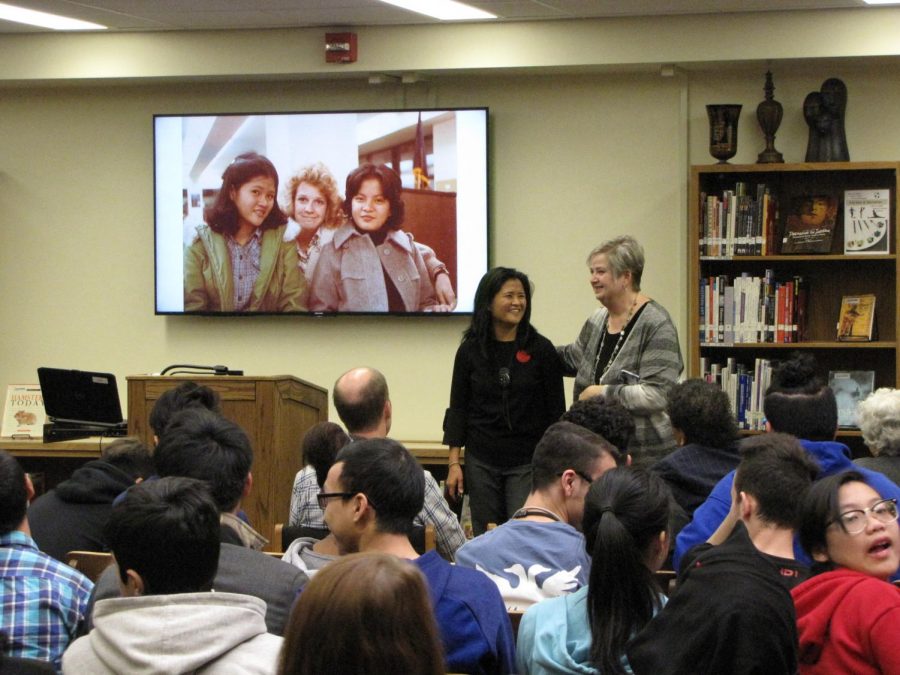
(445, 10)
(43, 19)
(882, 2)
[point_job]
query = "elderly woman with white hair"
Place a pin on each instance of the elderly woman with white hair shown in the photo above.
(878, 417)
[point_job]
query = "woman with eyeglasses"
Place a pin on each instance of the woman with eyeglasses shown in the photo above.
(506, 390)
(848, 615)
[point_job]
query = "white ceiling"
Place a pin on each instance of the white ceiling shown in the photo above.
(154, 15)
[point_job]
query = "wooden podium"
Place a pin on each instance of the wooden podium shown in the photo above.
(274, 411)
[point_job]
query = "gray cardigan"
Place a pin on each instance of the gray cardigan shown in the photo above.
(651, 350)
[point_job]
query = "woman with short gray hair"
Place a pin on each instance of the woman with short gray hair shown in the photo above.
(878, 416)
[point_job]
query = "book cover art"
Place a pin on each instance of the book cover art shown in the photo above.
(23, 415)
(850, 387)
(809, 225)
(867, 221)
(857, 318)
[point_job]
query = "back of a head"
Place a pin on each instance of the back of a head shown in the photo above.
(799, 402)
(702, 412)
(624, 513)
(566, 446)
(878, 416)
(131, 456)
(185, 395)
(167, 531)
(389, 476)
(13, 493)
(200, 444)
(359, 398)
(605, 417)
(777, 472)
(363, 613)
(320, 446)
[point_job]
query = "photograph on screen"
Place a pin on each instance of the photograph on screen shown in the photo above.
(377, 212)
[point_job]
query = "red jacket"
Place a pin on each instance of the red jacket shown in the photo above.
(848, 623)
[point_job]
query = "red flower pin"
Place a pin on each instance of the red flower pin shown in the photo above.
(522, 356)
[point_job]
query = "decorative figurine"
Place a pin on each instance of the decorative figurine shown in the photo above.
(824, 112)
(723, 119)
(768, 114)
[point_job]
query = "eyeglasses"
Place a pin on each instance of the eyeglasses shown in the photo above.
(323, 497)
(855, 521)
(587, 479)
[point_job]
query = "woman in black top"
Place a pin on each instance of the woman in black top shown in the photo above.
(507, 389)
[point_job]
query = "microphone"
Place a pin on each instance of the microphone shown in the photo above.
(504, 377)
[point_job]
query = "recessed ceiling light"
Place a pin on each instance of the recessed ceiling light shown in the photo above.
(445, 10)
(44, 20)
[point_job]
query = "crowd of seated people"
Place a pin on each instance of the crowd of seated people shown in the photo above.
(786, 566)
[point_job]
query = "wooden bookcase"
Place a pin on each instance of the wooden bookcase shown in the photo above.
(829, 276)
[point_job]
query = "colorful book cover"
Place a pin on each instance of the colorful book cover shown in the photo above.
(23, 415)
(850, 387)
(809, 226)
(867, 221)
(857, 318)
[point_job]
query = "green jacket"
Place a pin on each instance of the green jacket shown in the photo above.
(209, 282)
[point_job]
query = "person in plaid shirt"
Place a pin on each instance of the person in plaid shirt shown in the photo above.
(42, 601)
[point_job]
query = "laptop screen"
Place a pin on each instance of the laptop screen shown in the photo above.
(80, 397)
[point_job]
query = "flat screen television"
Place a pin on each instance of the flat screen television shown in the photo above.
(251, 214)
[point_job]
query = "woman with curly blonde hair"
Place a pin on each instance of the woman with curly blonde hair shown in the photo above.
(312, 202)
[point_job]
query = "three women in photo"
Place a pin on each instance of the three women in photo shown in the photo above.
(628, 349)
(506, 390)
(238, 261)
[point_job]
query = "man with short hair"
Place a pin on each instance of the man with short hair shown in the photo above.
(363, 403)
(172, 401)
(372, 494)
(799, 403)
(42, 601)
(165, 537)
(71, 516)
(607, 418)
(540, 552)
(198, 443)
(732, 610)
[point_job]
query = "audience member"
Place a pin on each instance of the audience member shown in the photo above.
(625, 516)
(12, 665)
(320, 446)
(540, 552)
(372, 494)
(365, 613)
(607, 418)
(71, 516)
(185, 395)
(165, 537)
(707, 433)
(200, 444)
(363, 403)
(42, 601)
(878, 416)
(800, 404)
(847, 616)
(732, 610)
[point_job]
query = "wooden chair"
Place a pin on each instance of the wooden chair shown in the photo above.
(90, 563)
(515, 618)
(665, 580)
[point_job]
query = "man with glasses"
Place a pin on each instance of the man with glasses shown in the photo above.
(540, 552)
(732, 610)
(371, 495)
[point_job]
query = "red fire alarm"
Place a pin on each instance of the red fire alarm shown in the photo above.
(340, 47)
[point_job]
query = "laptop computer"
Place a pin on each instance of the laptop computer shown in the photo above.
(79, 397)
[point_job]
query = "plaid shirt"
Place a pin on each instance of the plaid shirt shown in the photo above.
(244, 268)
(448, 534)
(42, 601)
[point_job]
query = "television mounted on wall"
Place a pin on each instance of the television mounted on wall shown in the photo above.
(252, 214)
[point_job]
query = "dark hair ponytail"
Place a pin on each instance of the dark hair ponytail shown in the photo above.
(624, 512)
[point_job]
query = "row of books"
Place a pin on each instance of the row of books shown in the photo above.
(752, 309)
(745, 388)
(738, 223)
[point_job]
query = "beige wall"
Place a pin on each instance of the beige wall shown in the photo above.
(576, 157)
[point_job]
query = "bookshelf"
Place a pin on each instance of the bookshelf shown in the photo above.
(826, 276)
